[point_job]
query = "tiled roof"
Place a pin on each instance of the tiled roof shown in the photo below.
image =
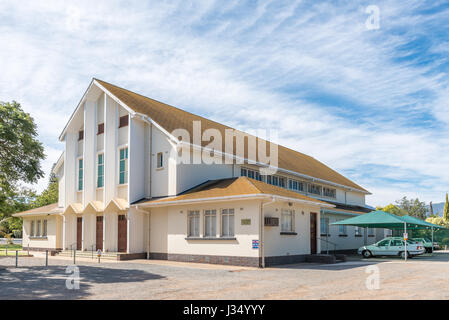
(49, 209)
(233, 187)
(171, 118)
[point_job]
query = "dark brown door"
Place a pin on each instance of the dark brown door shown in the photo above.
(313, 233)
(79, 232)
(100, 233)
(122, 234)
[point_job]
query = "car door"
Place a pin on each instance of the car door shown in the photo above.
(396, 246)
(382, 247)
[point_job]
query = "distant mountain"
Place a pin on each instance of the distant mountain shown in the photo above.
(438, 208)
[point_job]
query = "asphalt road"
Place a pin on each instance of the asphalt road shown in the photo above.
(422, 277)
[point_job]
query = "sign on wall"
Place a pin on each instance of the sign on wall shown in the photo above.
(255, 244)
(246, 222)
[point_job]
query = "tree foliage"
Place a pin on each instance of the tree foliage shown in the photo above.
(404, 206)
(393, 209)
(446, 210)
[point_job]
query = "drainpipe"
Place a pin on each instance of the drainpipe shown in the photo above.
(262, 227)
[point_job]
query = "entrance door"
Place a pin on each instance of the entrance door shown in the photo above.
(313, 233)
(79, 232)
(122, 233)
(99, 233)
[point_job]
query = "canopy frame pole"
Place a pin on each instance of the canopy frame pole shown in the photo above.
(405, 241)
(432, 240)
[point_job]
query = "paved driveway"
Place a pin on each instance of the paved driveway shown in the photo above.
(420, 278)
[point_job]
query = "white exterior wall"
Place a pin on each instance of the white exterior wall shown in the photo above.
(169, 230)
(282, 245)
(136, 160)
(54, 233)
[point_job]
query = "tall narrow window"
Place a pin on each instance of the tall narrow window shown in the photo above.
(210, 222)
(324, 225)
(100, 128)
(123, 166)
(32, 229)
(38, 231)
(123, 121)
(44, 228)
(160, 160)
(80, 174)
(287, 220)
(100, 171)
(194, 223)
(227, 222)
(342, 229)
(80, 135)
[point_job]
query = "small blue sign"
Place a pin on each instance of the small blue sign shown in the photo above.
(255, 244)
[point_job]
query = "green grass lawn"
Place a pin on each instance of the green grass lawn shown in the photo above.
(10, 246)
(12, 253)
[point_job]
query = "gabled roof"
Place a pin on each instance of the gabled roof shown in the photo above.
(171, 118)
(50, 209)
(230, 189)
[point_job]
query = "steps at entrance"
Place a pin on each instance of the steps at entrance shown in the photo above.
(326, 258)
(88, 254)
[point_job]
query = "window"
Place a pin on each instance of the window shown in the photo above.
(227, 222)
(123, 122)
(160, 160)
(253, 174)
(194, 223)
(123, 175)
(32, 229)
(80, 135)
(370, 231)
(44, 229)
(397, 243)
(314, 189)
(38, 231)
(357, 231)
(282, 182)
(329, 192)
(384, 243)
(100, 129)
(210, 222)
(295, 185)
(324, 225)
(287, 220)
(342, 229)
(100, 171)
(80, 174)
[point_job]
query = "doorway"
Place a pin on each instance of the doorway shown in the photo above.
(122, 233)
(79, 233)
(313, 228)
(99, 238)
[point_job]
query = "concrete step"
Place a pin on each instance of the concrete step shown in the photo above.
(326, 258)
(88, 254)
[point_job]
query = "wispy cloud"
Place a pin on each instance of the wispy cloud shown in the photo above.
(372, 104)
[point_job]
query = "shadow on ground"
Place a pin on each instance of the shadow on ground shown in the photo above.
(50, 283)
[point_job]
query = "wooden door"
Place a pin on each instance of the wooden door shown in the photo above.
(122, 233)
(99, 239)
(79, 233)
(313, 228)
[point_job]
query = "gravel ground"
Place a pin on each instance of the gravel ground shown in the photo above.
(422, 277)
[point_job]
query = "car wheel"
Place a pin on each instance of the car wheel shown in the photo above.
(367, 254)
(402, 255)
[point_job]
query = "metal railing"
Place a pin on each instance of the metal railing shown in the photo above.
(329, 242)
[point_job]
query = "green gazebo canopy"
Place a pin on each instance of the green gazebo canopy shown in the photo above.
(382, 219)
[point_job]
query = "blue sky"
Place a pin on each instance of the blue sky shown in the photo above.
(372, 104)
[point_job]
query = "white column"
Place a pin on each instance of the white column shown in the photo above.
(110, 148)
(89, 158)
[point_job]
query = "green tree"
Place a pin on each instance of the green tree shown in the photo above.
(393, 209)
(20, 153)
(49, 195)
(413, 207)
(446, 210)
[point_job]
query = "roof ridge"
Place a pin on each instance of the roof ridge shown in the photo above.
(252, 184)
